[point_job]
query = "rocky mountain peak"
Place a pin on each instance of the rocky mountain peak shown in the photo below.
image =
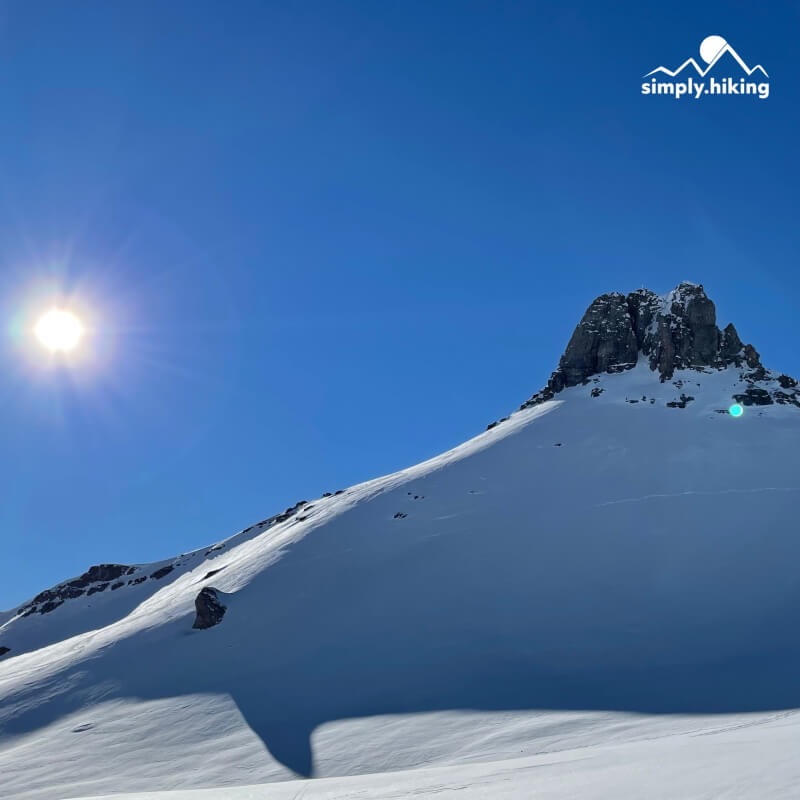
(674, 331)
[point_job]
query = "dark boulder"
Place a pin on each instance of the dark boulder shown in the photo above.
(210, 610)
(4, 650)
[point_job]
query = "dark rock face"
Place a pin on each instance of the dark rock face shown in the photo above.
(678, 331)
(731, 345)
(604, 341)
(643, 308)
(4, 650)
(683, 333)
(210, 610)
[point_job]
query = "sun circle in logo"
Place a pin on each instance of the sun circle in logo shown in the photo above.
(710, 47)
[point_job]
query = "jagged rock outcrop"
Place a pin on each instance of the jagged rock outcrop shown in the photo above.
(675, 331)
(210, 610)
(4, 650)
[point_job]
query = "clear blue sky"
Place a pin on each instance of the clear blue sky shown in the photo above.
(325, 240)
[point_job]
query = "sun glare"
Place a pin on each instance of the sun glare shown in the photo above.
(59, 330)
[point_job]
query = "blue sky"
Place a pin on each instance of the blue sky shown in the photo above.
(319, 242)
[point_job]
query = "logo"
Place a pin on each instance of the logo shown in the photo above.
(727, 78)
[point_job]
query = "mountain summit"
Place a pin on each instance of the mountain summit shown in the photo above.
(670, 332)
(610, 568)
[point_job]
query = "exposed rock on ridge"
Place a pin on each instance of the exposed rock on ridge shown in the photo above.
(95, 579)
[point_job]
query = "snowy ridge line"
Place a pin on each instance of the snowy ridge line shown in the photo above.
(248, 554)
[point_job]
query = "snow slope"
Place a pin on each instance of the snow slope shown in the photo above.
(590, 573)
(747, 758)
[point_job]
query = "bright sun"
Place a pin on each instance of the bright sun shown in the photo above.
(59, 330)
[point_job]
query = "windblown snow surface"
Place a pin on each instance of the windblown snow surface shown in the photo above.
(597, 598)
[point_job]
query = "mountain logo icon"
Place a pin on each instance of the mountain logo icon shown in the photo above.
(712, 49)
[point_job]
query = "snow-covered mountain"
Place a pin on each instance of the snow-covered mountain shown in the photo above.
(612, 565)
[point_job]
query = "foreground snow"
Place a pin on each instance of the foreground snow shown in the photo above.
(595, 596)
(736, 757)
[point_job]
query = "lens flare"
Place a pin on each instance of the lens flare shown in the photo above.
(736, 410)
(59, 330)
